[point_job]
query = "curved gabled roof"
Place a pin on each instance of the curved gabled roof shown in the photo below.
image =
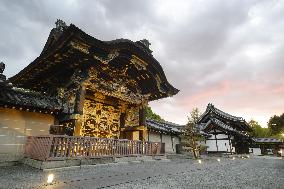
(222, 126)
(213, 112)
(69, 48)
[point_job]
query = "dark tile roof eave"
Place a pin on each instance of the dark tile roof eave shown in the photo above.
(211, 107)
(267, 140)
(223, 126)
(163, 126)
(29, 99)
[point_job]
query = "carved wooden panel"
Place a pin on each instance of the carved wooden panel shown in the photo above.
(132, 117)
(100, 120)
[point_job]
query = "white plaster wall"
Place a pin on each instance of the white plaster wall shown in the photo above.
(221, 136)
(167, 139)
(223, 145)
(154, 137)
(176, 141)
(211, 145)
(15, 125)
(170, 145)
(256, 151)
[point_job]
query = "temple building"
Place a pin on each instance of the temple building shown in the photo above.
(82, 87)
(267, 146)
(223, 132)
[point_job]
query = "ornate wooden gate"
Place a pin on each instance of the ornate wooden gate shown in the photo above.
(100, 120)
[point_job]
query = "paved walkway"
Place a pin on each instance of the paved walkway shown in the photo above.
(228, 173)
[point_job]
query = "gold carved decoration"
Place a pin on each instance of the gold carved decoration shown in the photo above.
(138, 63)
(99, 96)
(84, 48)
(132, 117)
(109, 58)
(115, 87)
(100, 120)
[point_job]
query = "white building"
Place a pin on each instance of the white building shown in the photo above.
(224, 133)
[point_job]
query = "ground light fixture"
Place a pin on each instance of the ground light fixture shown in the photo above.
(233, 158)
(218, 160)
(50, 178)
(199, 161)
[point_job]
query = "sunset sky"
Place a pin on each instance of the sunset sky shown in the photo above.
(229, 53)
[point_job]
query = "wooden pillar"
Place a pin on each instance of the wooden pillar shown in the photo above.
(230, 144)
(216, 139)
(142, 122)
(80, 97)
(142, 115)
(78, 110)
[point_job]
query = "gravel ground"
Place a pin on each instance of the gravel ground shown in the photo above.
(228, 173)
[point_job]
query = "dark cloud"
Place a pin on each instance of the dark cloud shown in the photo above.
(226, 52)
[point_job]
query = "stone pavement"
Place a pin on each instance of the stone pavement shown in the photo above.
(186, 173)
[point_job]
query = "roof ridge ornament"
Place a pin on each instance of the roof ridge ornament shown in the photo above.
(2, 76)
(3, 79)
(146, 42)
(2, 67)
(60, 25)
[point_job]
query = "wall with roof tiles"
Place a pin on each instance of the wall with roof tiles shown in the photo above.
(15, 125)
(169, 140)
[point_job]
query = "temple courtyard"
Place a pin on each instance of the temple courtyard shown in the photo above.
(253, 172)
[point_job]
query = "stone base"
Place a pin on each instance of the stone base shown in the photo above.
(68, 163)
(65, 163)
(179, 156)
(9, 159)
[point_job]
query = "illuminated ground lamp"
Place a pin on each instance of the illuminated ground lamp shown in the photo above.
(248, 156)
(233, 158)
(218, 160)
(50, 178)
(199, 161)
(280, 152)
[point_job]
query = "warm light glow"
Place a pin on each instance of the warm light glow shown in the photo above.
(218, 160)
(233, 158)
(50, 178)
(199, 161)
(248, 156)
(280, 151)
(282, 134)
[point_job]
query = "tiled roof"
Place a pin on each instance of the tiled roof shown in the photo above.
(163, 126)
(213, 112)
(16, 97)
(267, 140)
(221, 125)
(222, 113)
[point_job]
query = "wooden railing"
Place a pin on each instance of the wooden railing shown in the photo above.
(55, 147)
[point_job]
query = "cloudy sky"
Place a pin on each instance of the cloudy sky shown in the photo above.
(229, 53)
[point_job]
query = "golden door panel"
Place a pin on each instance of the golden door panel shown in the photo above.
(100, 120)
(132, 117)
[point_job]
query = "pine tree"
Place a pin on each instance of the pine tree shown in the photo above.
(191, 132)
